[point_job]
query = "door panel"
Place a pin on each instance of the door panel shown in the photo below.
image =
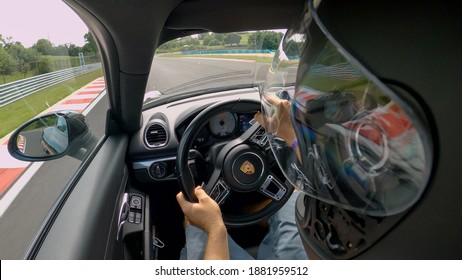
(86, 226)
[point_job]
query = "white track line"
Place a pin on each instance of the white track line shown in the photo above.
(11, 194)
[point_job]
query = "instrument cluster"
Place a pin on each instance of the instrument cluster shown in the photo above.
(223, 126)
(226, 125)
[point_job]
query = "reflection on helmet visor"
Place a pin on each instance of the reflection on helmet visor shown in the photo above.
(350, 140)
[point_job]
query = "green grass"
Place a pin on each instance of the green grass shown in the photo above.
(60, 57)
(16, 76)
(261, 58)
(254, 57)
(17, 113)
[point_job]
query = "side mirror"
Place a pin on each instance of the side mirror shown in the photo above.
(52, 136)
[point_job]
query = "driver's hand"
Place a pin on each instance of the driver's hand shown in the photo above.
(279, 124)
(205, 214)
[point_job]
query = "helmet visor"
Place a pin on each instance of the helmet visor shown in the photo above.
(339, 133)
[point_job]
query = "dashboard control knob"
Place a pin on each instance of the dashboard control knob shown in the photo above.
(158, 170)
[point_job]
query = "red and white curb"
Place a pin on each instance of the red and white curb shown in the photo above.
(15, 172)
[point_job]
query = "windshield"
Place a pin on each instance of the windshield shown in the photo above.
(210, 62)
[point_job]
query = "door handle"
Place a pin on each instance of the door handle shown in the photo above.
(123, 215)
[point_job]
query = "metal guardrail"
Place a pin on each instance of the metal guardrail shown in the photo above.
(14, 91)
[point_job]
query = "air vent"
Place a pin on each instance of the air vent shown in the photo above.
(156, 135)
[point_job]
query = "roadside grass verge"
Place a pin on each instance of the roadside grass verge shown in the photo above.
(260, 58)
(17, 113)
(16, 76)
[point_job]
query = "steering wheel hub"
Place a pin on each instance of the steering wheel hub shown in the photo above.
(245, 169)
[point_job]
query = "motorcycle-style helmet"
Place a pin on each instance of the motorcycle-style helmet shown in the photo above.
(347, 117)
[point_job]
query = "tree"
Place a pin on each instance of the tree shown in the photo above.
(43, 65)
(61, 50)
(18, 51)
(6, 42)
(218, 36)
(170, 46)
(44, 47)
(5, 63)
(21, 57)
(266, 40)
(202, 36)
(232, 38)
(254, 40)
(90, 46)
(73, 49)
(192, 41)
(271, 40)
(206, 40)
(214, 42)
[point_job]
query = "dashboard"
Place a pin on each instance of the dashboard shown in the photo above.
(153, 149)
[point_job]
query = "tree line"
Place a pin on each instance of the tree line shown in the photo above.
(265, 40)
(15, 58)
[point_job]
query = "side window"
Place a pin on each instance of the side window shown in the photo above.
(49, 62)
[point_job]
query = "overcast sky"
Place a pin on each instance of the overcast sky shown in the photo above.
(29, 20)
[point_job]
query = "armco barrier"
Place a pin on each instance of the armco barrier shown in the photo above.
(14, 91)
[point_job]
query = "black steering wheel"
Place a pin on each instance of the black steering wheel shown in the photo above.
(241, 167)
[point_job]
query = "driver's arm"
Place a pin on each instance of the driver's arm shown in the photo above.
(206, 215)
(280, 122)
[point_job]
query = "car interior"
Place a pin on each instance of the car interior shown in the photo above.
(121, 204)
(103, 181)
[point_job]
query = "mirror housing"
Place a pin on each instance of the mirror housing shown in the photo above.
(52, 136)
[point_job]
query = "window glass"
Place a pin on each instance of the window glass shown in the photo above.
(210, 62)
(49, 62)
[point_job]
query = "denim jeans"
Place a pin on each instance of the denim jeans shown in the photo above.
(282, 242)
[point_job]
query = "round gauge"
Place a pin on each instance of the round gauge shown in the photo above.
(203, 136)
(223, 125)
